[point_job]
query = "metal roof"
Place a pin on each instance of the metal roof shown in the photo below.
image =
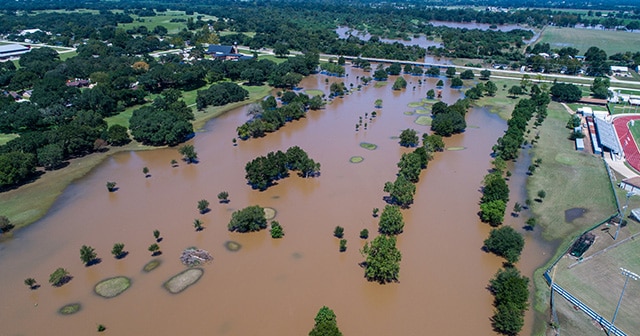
(7, 48)
(607, 135)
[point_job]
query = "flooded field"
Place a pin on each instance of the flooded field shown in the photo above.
(272, 287)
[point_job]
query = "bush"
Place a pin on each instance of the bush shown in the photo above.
(364, 234)
(338, 232)
(251, 218)
(276, 230)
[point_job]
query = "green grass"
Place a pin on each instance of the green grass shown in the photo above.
(635, 131)
(570, 178)
(70, 309)
(4, 138)
(314, 92)
(151, 265)
(183, 280)
(368, 146)
(67, 55)
(379, 84)
(163, 19)
(112, 287)
(500, 103)
(582, 39)
(272, 58)
(356, 159)
(423, 121)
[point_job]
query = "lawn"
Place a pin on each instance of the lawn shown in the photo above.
(163, 19)
(571, 179)
(635, 131)
(4, 138)
(582, 39)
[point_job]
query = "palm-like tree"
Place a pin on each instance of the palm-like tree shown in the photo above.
(197, 224)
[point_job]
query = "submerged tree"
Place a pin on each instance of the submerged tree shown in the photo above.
(382, 262)
(197, 224)
(326, 323)
(251, 218)
(276, 230)
(338, 232)
(88, 255)
(118, 250)
(203, 206)
(59, 277)
(223, 197)
(111, 186)
(156, 235)
(31, 283)
(154, 249)
(505, 242)
(188, 153)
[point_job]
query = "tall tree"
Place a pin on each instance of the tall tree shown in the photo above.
(326, 323)
(391, 221)
(382, 262)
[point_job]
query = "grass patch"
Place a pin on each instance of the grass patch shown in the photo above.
(423, 111)
(232, 246)
(356, 159)
(272, 58)
(500, 103)
(269, 213)
(610, 41)
(151, 265)
(456, 148)
(112, 287)
(70, 309)
(4, 138)
(415, 104)
(423, 121)
(183, 280)
(635, 131)
(380, 84)
(314, 92)
(162, 19)
(368, 146)
(409, 113)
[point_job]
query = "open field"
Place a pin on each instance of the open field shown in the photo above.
(563, 174)
(610, 41)
(163, 19)
(500, 103)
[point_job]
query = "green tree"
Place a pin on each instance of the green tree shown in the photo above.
(343, 245)
(154, 249)
(59, 277)
(378, 103)
(450, 72)
(401, 191)
(145, 171)
(542, 194)
(440, 83)
(391, 221)
(338, 232)
(433, 142)
(16, 167)
(511, 296)
(111, 186)
(494, 188)
(399, 84)
(251, 218)
(50, 156)
(456, 82)
(276, 230)
(118, 250)
(156, 235)
(505, 242)
(188, 153)
(485, 74)
(382, 262)
(364, 233)
(600, 87)
(574, 121)
(491, 88)
(515, 90)
(5, 224)
(492, 212)
(431, 94)
(203, 206)
(197, 224)
(88, 255)
(467, 74)
(409, 138)
(325, 323)
(223, 197)
(517, 207)
(31, 283)
(375, 212)
(566, 92)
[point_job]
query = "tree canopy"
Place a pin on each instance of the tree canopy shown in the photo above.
(251, 218)
(382, 262)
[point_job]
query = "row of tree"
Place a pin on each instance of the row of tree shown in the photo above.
(263, 171)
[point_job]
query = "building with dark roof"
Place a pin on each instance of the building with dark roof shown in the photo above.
(225, 53)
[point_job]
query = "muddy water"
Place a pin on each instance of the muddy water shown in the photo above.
(269, 287)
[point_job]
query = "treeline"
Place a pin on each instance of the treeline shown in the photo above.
(263, 171)
(475, 43)
(509, 288)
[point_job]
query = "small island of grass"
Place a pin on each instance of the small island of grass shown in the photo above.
(112, 287)
(232, 246)
(415, 104)
(368, 146)
(408, 113)
(456, 148)
(70, 309)
(269, 213)
(314, 92)
(150, 266)
(183, 280)
(423, 120)
(356, 159)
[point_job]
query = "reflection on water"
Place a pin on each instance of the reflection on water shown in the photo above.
(270, 287)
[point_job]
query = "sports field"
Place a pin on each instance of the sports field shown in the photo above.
(610, 41)
(164, 19)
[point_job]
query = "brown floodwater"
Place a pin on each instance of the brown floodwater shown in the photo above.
(271, 287)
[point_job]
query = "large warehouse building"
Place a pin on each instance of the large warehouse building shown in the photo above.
(12, 50)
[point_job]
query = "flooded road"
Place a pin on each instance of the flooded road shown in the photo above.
(270, 287)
